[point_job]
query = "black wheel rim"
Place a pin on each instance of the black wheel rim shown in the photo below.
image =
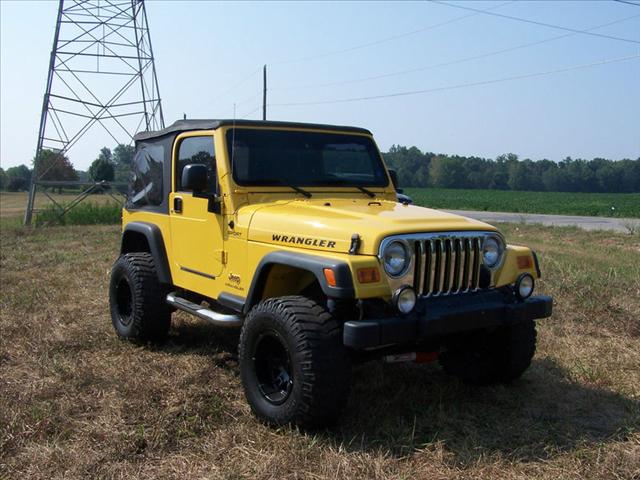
(272, 363)
(124, 301)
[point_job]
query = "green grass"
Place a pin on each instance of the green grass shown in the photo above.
(86, 213)
(625, 205)
(13, 204)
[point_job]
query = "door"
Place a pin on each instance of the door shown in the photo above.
(196, 233)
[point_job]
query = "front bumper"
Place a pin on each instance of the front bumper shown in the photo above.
(440, 317)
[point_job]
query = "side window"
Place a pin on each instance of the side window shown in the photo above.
(145, 187)
(197, 150)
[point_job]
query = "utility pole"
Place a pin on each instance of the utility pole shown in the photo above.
(264, 92)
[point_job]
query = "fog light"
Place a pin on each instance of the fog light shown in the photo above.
(524, 286)
(404, 299)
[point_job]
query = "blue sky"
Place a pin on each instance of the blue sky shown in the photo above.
(206, 52)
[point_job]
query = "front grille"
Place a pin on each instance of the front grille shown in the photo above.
(447, 265)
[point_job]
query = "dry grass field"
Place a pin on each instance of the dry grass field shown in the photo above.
(75, 402)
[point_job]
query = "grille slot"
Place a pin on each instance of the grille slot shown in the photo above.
(447, 265)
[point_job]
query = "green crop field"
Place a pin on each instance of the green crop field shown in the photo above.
(625, 205)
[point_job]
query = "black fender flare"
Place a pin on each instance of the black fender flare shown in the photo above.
(153, 235)
(344, 281)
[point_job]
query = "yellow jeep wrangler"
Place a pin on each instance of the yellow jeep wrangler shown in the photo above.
(293, 232)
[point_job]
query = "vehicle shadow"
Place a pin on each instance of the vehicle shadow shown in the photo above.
(401, 408)
(189, 336)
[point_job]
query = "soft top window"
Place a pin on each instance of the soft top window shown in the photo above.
(145, 187)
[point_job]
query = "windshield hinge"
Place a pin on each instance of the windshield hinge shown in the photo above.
(355, 244)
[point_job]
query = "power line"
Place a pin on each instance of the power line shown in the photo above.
(628, 2)
(387, 39)
(235, 106)
(233, 87)
(250, 112)
(534, 22)
(448, 63)
(458, 86)
(356, 47)
(248, 99)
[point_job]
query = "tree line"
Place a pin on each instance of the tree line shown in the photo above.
(415, 169)
(54, 166)
(507, 172)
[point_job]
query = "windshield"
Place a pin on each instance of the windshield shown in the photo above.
(281, 157)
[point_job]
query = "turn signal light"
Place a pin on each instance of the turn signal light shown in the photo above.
(368, 275)
(524, 261)
(330, 276)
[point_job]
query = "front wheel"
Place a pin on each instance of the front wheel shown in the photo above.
(485, 358)
(293, 365)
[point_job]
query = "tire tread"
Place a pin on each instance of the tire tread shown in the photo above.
(325, 363)
(151, 316)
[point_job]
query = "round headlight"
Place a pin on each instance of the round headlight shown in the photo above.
(491, 251)
(405, 299)
(524, 286)
(395, 258)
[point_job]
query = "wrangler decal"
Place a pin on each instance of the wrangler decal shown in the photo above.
(312, 242)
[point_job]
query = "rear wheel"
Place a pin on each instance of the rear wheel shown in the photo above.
(485, 358)
(293, 365)
(137, 301)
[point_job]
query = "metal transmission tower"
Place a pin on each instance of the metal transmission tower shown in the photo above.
(102, 79)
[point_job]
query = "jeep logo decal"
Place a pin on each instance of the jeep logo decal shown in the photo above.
(312, 242)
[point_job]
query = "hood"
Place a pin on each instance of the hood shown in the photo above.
(329, 224)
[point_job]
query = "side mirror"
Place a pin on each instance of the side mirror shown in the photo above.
(194, 177)
(394, 179)
(405, 199)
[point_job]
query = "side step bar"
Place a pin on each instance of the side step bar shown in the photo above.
(218, 319)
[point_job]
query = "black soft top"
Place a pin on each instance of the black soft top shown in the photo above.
(188, 125)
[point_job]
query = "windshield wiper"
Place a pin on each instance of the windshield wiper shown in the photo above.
(301, 191)
(304, 192)
(366, 191)
(342, 181)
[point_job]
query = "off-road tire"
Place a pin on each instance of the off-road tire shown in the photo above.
(486, 358)
(320, 370)
(139, 311)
